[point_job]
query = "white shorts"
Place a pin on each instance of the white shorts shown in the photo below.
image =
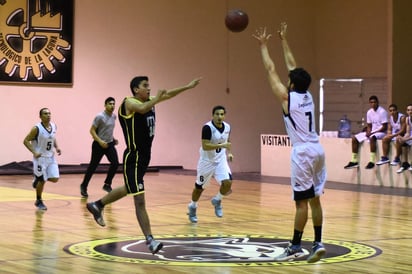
(362, 136)
(207, 169)
(308, 169)
(46, 167)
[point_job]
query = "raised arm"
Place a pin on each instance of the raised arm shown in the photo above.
(173, 92)
(287, 53)
(133, 105)
(278, 89)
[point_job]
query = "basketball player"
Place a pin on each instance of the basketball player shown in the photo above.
(404, 143)
(377, 126)
(308, 158)
(103, 144)
(213, 162)
(396, 127)
(41, 142)
(137, 118)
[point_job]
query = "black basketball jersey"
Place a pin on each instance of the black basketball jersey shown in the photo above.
(138, 129)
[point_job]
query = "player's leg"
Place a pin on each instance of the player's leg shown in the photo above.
(386, 142)
(135, 186)
(302, 182)
(223, 176)
(144, 222)
(354, 162)
(318, 250)
(372, 155)
(111, 154)
(398, 148)
(52, 171)
(204, 173)
(319, 179)
(39, 181)
(405, 163)
(96, 156)
(129, 165)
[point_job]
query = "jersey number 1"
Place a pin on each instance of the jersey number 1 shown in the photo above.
(309, 114)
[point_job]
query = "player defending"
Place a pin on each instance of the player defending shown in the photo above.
(214, 154)
(308, 158)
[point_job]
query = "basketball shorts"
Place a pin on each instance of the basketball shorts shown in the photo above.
(408, 143)
(308, 170)
(207, 169)
(361, 137)
(46, 167)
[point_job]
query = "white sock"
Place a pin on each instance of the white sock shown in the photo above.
(193, 204)
(219, 196)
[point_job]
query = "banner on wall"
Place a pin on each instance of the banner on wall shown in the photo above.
(275, 150)
(36, 41)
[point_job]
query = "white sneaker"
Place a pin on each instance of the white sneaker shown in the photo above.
(401, 169)
(290, 253)
(218, 207)
(404, 166)
(154, 246)
(318, 251)
(382, 161)
(192, 214)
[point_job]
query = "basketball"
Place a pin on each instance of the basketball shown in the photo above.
(236, 20)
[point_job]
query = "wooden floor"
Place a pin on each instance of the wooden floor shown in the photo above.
(34, 242)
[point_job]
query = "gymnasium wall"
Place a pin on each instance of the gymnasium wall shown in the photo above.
(175, 41)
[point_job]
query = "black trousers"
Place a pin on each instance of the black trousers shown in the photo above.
(97, 155)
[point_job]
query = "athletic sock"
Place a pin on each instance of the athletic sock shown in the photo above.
(373, 157)
(193, 204)
(297, 237)
(219, 196)
(354, 157)
(100, 204)
(318, 233)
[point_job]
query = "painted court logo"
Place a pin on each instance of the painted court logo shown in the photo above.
(33, 43)
(207, 250)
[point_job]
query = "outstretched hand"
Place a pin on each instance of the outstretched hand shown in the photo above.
(261, 35)
(161, 94)
(194, 82)
(282, 31)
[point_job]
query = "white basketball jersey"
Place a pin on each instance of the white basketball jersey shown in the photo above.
(376, 118)
(396, 125)
(218, 137)
(300, 121)
(44, 142)
(409, 122)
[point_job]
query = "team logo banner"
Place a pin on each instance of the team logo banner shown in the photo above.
(36, 41)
